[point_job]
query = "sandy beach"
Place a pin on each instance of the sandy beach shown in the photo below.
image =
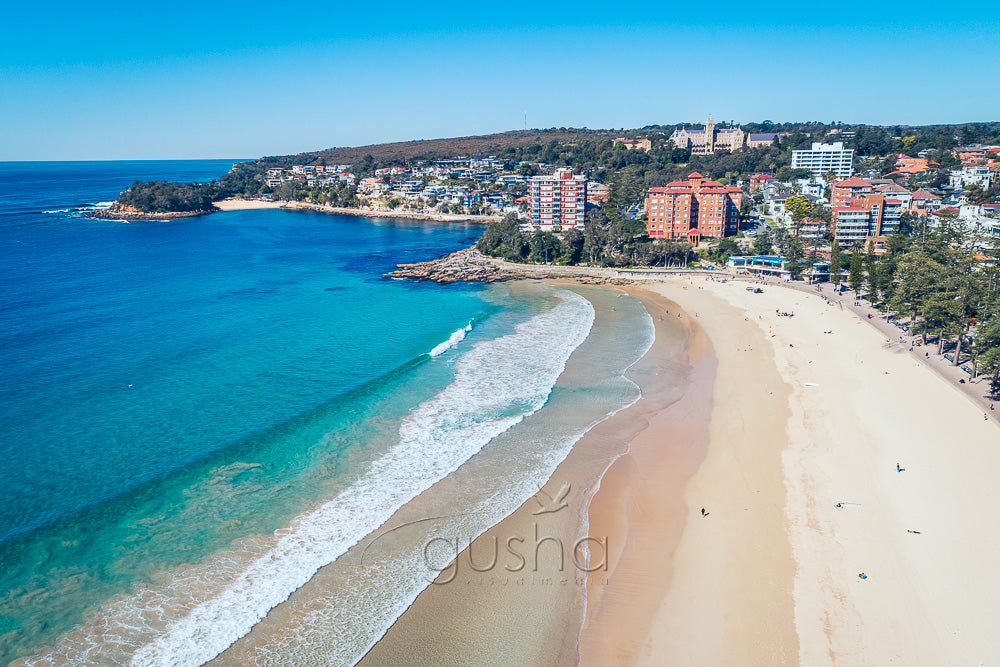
(539, 622)
(782, 419)
(254, 204)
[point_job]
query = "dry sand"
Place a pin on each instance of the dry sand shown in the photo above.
(247, 204)
(723, 595)
(779, 422)
(856, 405)
(775, 423)
(253, 204)
(495, 621)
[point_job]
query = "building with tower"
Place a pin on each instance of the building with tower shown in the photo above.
(710, 140)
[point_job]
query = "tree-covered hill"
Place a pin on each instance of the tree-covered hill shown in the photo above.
(593, 152)
(167, 197)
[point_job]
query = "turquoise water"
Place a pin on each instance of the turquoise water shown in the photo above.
(196, 416)
(142, 359)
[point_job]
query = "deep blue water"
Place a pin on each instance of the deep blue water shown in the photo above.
(138, 360)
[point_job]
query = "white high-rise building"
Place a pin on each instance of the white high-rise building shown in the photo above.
(558, 200)
(826, 157)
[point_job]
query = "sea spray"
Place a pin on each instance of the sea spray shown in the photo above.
(497, 383)
(347, 607)
(484, 400)
(454, 339)
(138, 359)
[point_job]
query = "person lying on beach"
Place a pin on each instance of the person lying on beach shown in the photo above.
(862, 576)
(898, 469)
(915, 532)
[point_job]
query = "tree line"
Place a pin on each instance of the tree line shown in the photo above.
(940, 284)
(602, 241)
(168, 197)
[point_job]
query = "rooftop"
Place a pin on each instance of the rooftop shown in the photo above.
(853, 182)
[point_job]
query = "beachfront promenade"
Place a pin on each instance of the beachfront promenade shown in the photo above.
(859, 405)
(819, 450)
(977, 389)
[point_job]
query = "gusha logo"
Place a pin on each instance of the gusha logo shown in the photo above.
(551, 504)
(512, 552)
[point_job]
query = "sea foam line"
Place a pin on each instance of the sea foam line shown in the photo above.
(454, 339)
(497, 384)
(341, 631)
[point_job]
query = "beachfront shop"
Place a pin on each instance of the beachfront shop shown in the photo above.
(774, 266)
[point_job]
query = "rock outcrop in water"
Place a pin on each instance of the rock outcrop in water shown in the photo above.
(472, 266)
(124, 212)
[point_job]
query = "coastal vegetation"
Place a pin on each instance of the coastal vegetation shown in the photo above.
(604, 241)
(167, 197)
(939, 279)
(941, 286)
(629, 173)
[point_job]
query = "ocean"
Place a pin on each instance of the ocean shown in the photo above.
(197, 416)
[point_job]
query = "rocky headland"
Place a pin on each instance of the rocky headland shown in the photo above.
(124, 212)
(470, 265)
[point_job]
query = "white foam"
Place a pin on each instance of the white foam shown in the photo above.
(59, 210)
(341, 631)
(498, 383)
(454, 339)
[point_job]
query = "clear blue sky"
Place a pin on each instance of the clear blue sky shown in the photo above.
(115, 80)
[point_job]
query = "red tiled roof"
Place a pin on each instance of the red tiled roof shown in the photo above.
(853, 182)
(695, 174)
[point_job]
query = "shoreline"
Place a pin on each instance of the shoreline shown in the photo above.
(112, 214)
(255, 204)
(470, 265)
(923, 601)
(466, 609)
(776, 437)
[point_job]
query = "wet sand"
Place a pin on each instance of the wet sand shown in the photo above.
(538, 622)
(767, 422)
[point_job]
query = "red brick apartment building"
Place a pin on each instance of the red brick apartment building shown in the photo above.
(693, 209)
(842, 192)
